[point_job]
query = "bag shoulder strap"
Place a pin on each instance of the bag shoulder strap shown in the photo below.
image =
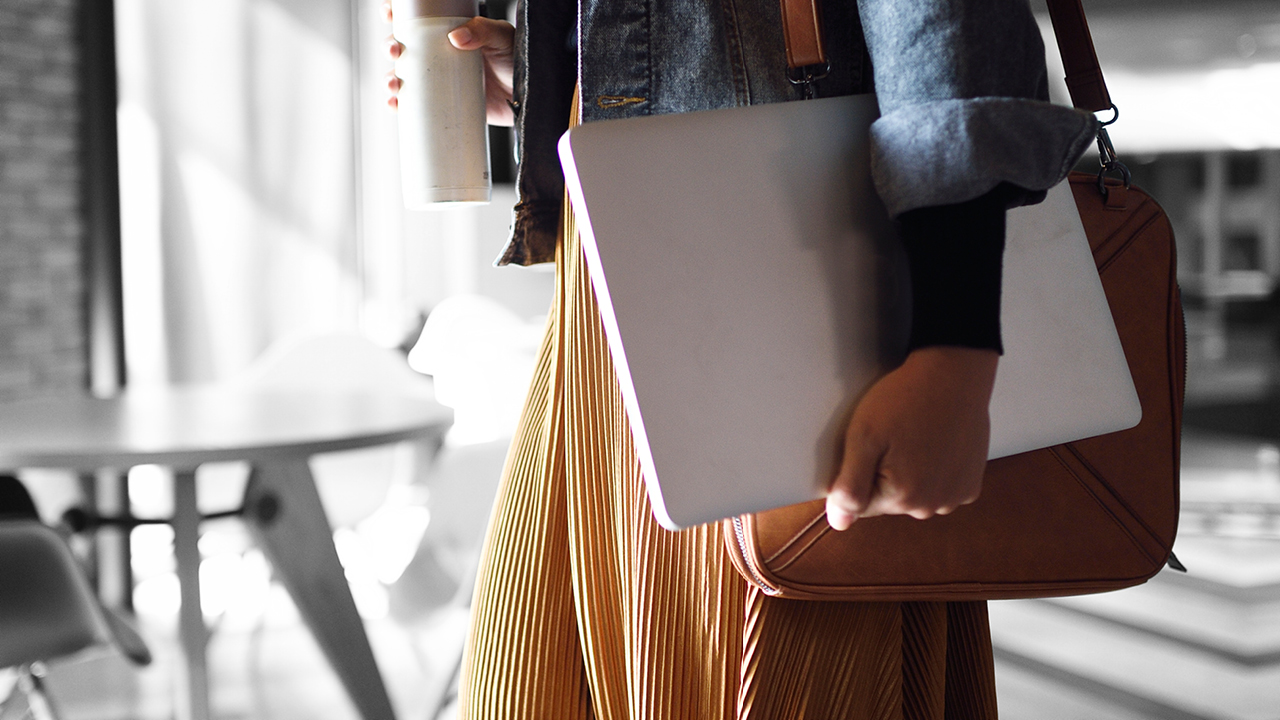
(1079, 59)
(802, 28)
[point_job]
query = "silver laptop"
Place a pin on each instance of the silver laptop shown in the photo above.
(751, 285)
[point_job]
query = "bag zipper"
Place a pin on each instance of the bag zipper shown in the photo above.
(760, 582)
(1173, 561)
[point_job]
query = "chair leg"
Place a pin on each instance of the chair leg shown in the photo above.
(31, 682)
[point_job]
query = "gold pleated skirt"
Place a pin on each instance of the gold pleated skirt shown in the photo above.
(586, 608)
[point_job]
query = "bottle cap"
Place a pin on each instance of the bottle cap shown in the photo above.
(405, 9)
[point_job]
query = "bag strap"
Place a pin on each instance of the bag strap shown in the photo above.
(802, 28)
(1079, 59)
(807, 55)
(1087, 86)
(807, 61)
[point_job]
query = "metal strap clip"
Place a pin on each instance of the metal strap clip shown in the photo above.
(807, 75)
(1107, 156)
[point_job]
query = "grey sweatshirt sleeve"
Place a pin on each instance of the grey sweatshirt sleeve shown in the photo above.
(964, 103)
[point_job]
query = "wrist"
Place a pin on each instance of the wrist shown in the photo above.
(972, 371)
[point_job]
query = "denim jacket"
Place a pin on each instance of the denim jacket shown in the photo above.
(961, 85)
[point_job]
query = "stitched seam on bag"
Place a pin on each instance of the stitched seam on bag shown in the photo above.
(1176, 327)
(770, 584)
(1175, 367)
(1132, 237)
(1062, 461)
(1171, 354)
(753, 572)
(1090, 181)
(1177, 391)
(913, 592)
(1132, 211)
(791, 541)
(800, 552)
(1136, 214)
(1128, 243)
(1112, 491)
(1170, 350)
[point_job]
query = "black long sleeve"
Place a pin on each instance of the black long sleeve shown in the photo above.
(955, 254)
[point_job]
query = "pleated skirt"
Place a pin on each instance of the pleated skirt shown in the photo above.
(586, 608)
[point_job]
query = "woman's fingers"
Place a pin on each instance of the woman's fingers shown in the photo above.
(393, 87)
(495, 39)
(462, 38)
(393, 47)
(483, 33)
(394, 50)
(851, 491)
(917, 441)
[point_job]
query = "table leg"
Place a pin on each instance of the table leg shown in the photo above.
(192, 691)
(115, 577)
(284, 511)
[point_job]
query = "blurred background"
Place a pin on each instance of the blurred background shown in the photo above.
(243, 149)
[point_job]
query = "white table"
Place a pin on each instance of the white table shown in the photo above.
(276, 432)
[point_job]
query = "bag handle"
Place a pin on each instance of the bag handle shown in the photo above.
(807, 55)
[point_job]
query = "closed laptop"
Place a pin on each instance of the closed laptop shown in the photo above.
(751, 286)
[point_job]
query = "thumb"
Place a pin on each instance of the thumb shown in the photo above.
(480, 32)
(850, 492)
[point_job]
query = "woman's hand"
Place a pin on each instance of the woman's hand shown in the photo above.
(917, 442)
(495, 39)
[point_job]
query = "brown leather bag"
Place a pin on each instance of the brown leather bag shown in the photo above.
(1088, 516)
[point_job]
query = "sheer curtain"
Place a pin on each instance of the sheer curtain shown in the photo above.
(238, 175)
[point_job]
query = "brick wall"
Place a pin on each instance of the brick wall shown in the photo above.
(41, 295)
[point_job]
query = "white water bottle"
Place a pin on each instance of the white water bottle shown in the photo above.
(444, 138)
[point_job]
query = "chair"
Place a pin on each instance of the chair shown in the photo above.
(48, 611)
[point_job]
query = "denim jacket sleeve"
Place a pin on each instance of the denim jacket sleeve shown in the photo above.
(961, 86)
(964, 105)
(545, 71)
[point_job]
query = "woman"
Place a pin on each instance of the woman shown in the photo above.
(584, 606)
